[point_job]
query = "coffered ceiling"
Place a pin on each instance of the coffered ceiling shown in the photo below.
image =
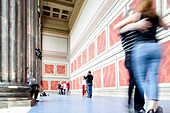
(59, 16)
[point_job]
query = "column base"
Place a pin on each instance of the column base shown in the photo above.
(14, 95)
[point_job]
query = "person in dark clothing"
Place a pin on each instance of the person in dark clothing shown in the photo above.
(89, 80)
(146, 53)
(34, 91)
(128, 39)
(59, 89)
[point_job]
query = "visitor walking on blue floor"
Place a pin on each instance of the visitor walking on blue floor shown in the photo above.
(89, 80)
(68, 87)
(128, 40)
(83, 86)
(64, 87)
(146, 54)
(59, 89)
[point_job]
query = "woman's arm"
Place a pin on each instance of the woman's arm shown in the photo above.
(141, 26)
(130, 19)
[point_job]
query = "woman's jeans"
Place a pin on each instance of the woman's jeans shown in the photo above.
(145, 59)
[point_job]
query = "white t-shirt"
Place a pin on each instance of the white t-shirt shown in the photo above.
(83, 82)
(64, 86)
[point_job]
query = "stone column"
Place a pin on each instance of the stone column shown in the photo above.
(13, 88)
(30, 37)
(33, 39)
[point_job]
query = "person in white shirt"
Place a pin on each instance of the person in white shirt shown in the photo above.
(64, 87)
(83, 86)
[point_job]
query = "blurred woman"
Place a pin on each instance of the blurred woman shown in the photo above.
(146, 52)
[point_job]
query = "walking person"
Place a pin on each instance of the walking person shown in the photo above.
(59, 89)
(146, 54)
(89, 80)
(128, 40)
(64, 85)
(83, 87)
(68, 87)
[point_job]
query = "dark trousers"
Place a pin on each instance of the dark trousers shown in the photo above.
(64, 91)
(61, 91)
(138, 101)
(34, 91)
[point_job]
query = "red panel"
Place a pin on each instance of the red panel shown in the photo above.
(114, 36)
(61, 69)
(91, 51)
(164, 70)
(49, 69)
(75, 65)
(85, 57)
(77, 83)
(109, 76)
(79, 61)
(73, 85)
(45, 85)
(97, 78)
(71, 67)
(101, 42)
(168, 3)
(54, 85)
(81, 78)
(123, 74)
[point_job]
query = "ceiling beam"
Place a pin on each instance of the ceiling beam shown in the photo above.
(54, 31)
(60, 3)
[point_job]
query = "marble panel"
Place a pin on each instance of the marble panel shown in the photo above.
(123, 74)
(45, 84)
(54, 85)
(81, 78)
(114, 37)
(97, 79)
(71, 85)
(109, 76)
(49, 69)
(164, 70)
(61, 69)
(71, 67)
(75, 65)
(168, 3)
(85, 57)
(74, 84)
(101, 42)
(91, 51)
(79, 61)
(77, 84)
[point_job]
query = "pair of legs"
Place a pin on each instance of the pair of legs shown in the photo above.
(67, 91)
(146, 58)
(138, 100)
(83, 90)
(64, 91)
(89, 88)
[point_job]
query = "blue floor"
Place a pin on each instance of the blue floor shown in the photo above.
(77, 104)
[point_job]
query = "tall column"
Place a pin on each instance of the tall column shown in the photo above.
(30, 37)
(12, 54)
(33, 39)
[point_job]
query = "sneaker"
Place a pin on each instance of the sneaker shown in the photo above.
(140, 111)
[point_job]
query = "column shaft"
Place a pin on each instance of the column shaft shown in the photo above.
(4, 40)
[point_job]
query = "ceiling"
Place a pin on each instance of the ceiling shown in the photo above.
(59, 16)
